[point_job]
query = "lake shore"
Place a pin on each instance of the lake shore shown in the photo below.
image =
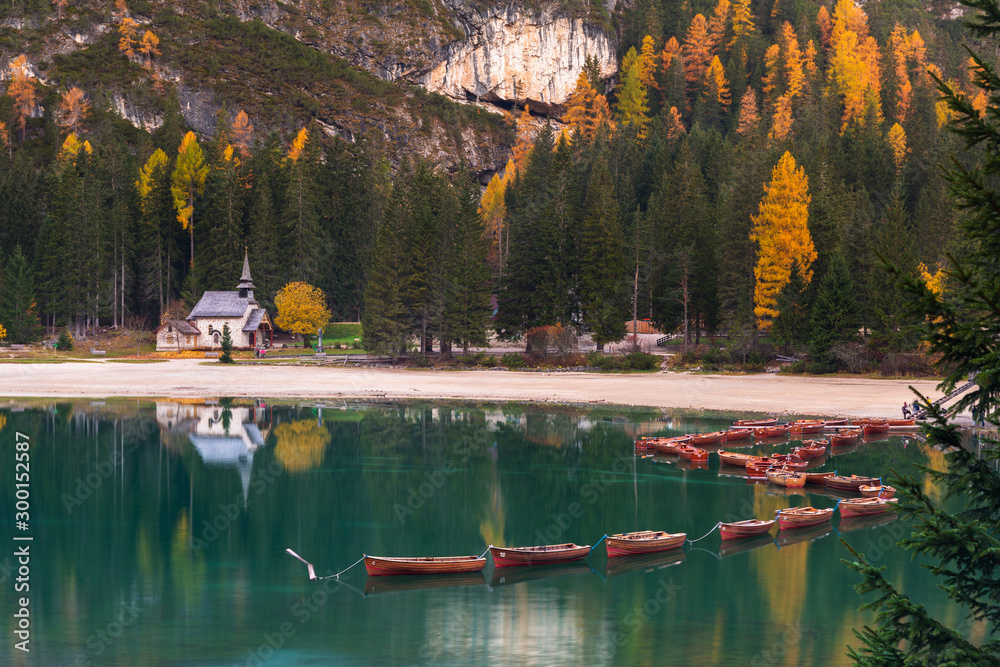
(191, 378)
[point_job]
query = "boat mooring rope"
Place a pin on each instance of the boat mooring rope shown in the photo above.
(706, 534)
(485, 552)
(337, 576)
(312, 570)
(598, 542)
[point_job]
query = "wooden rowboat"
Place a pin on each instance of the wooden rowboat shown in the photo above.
(811, 449)
(702, 439)
(549, 553)
(382, 565)
(875, 428)
(817, 477)
(748, 528)
(773, 431)
(694, 454)
(794, 464)
(756, 422)
(643, 542)
(735, 459)
(845, 437)
(737, 434)
(790, 480)
(644, 444)
(902, 423)
(865, 506)
(834, 422)
(877, 491)
(808, 427)
(670, 445)
(759, 465)
(800, 517)
(852, 483)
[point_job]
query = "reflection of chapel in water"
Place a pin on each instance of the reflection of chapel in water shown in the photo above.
(224, 437)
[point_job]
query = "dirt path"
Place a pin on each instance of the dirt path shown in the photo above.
(739, 393)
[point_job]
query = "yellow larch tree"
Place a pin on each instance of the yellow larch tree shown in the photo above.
(187, 182)
(73, 110)
(301, 309)
(72, 147)
(149, 47)
(525, 137)
(781, 232)
(586, 109)
(854, 63)
(935, 281)
(781, 124)
(824, 25)
(298, 145)
(633, 107)
(976, 93)
(795, 75)
(493, 212)
(22, 89)
(242, 131)
(144, 185)
(748, 118)
(897, 141)
(129, 32)
(716, 86)
(696, 52)
(671, 50)
(772, 72)
(647, 62)
(810, 60)
(742, 21)
(718, 24)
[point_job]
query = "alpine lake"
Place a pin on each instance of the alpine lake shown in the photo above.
(159, 533)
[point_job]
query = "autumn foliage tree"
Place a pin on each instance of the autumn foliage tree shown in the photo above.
(73, 110)
(242, 132)
(187, 182)
(129, 31)
(149, 47)
(586, 109)
(781, 232)
(301, 309)
(22, 89)
(697, 52)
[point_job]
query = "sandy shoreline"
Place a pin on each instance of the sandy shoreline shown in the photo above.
(766, 393)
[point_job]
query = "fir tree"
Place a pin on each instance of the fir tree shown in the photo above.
(835, 311)
(602, 269)
(792, 325)
(18, 309)
(227, 346)
(301, 219)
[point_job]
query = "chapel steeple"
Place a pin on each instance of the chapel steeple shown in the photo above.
(246, 286)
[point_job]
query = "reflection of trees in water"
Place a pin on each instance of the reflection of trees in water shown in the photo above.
(301, 444)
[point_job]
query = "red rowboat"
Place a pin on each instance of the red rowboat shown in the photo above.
(378, 565)
(689, 453)
(864, 506)
(714, 438)
(817, 477)
(551, 553)
(735, 459)
(789, 480)
(645, 443)
(643, 542)
(735, 434)
(670, 445)
(875, 428)
(902, 423)
(852, 483)
(800, 517)
(835, 422)
(773, 431)
(749, 528)
(877, 491)
(756, 422)
(794, 464)
(760, 465)
(845, 437)
(811, 449)
(808, 427)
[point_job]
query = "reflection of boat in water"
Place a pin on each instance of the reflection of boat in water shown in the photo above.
(506, 576)
(664, 458)
(692, 465)
(413, 582)
(644, 562)
(784, 491)
(849, 523)
(831, 492)
(733, 547)
(786, 538)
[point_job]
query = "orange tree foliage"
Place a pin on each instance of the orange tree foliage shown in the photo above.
(525, 137)
(716, 85)
(671, 50)
(795, 75)
(697, 52)
(897, 141)
(824, 25)
(73, 109)
(298, 145)
(781, 124)
(772, 72)
(749, 119)
(854, 63)
(129, 34)
(242, 132)
(717, 25)
(742, 21)
(301, 309)
(22, 89)
(149, 47)
(586, 109)
(781, 232)
(675, 127)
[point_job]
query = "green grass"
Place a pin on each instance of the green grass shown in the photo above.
(343, 333)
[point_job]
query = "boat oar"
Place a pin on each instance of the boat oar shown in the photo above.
(312, 571)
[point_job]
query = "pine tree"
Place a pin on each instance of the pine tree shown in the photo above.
(227, 346)
(18, 308)
(603, 261)
(792, 324)
(385, 320)
(301, 218)
(156, 223)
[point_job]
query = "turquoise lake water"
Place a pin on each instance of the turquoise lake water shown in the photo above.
(159, 533)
